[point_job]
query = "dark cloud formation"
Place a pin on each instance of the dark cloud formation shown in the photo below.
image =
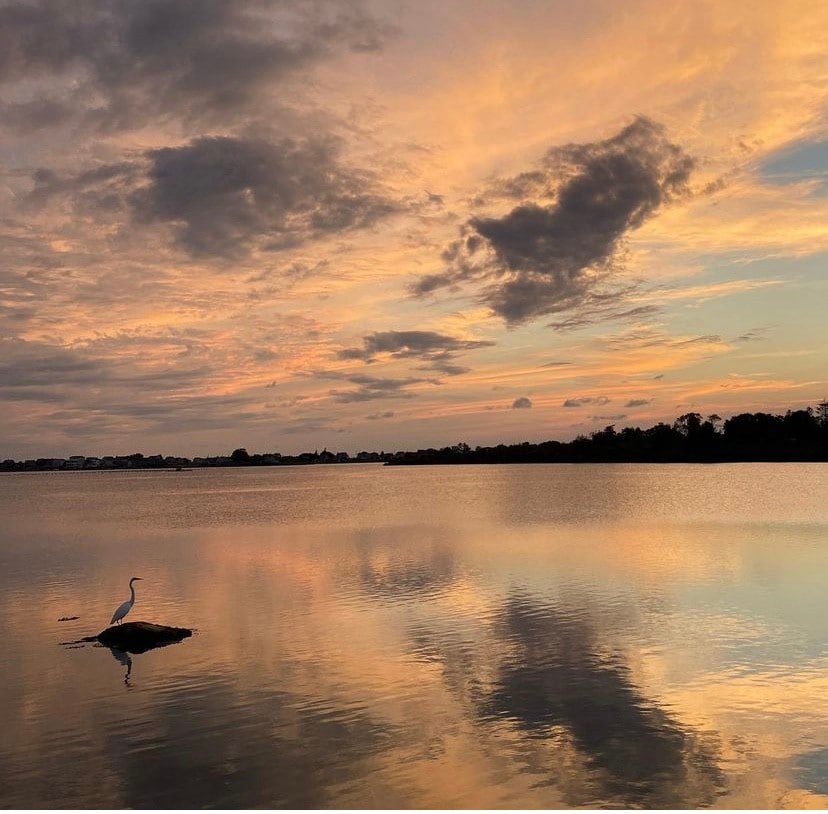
(380, 416)
(186, 68)
(616, 417)
(127, 62)
(225, 195)
(549, 253)
(522, 403)
(637, 402)
(580, 401)
(439, 351)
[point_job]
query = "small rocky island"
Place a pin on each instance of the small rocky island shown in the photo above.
(138, 637)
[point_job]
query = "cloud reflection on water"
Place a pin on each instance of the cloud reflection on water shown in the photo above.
(553, 676)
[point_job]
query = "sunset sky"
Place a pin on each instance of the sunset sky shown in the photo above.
(390, 225)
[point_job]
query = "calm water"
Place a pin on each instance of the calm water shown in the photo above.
(436, 637)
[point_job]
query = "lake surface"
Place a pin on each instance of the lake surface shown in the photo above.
(367, 636)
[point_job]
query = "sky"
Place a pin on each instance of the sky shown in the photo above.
(392, 225)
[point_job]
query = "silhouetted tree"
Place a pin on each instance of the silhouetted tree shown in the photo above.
(822, 414)
(240, 456)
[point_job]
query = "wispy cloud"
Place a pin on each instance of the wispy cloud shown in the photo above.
(438, 351)
(375, 387)
(580, 401)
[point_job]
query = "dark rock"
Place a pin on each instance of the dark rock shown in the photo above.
(138, 637)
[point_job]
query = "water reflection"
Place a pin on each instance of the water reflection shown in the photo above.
(812, 770)
(394, 569)
(553, 676)
(276, 752)
(125, 659)
(355, 651)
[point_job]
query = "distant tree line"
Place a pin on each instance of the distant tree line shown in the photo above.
(798, 435)
(239, 457)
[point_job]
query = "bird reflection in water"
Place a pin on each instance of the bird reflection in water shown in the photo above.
(123, 658)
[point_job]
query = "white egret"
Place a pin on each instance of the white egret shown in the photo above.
(124, 609)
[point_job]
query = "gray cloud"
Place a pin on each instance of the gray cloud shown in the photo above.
(226, 195)
(374, 387)
(135, 61)
(405, 344)
(547, 257)
(186, 68)
(34, 364)
(379, 416)
(100, 189)
(637, 402)
(580, 401)
(522, 403)
(618, 417)
(223, 196)
(439, 351)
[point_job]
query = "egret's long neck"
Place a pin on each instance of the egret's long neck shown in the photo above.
(132, 591)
